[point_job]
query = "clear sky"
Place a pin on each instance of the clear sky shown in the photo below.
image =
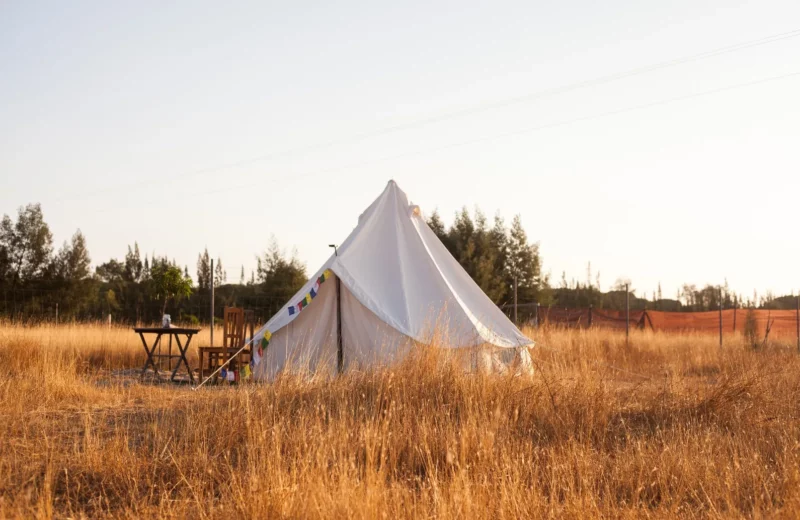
(184, 125)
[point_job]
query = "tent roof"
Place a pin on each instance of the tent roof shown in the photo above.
(397, 267)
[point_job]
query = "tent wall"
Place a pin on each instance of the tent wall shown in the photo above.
(308, 344)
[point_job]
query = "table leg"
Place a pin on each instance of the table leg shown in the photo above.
(150, 352)
(183, 359)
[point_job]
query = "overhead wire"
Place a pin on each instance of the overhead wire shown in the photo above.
(508, 134)
(471, 110)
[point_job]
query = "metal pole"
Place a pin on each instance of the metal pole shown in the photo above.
(339, 341)
(339, 345)
(537, 315)
(515, 301)
(627, 313)
(720, 317)
(797, 322)
(56, 314)
(212, 302)
(590, 315)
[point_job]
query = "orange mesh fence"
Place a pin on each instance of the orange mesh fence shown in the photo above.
(781, 323)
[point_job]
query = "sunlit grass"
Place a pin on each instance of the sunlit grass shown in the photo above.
(668, 425)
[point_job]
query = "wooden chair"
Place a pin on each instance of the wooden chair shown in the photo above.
(235, 324)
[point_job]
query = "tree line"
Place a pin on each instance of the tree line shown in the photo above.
(39, 282)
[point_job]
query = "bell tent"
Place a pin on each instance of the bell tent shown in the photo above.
(390, 284)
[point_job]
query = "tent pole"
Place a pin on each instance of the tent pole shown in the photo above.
(339, 347)
(212, 302)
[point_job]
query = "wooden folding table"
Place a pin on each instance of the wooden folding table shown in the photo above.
(152, 356)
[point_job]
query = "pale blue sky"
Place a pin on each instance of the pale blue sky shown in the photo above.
(183, 125)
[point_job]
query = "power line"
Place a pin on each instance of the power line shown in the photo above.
(469, 111)
(507, 134)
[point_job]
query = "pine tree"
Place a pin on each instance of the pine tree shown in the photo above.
(203, 271)
(241, 277)
(220, 277)
(280, 277)
(524, 263)
(436, 224)
(72, 262)
(133, 264)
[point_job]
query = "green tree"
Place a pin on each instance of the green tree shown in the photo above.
(280, 277)
(72, 262)
(133, 264)
(203, 271)
(524, 263)
(27, 245)
(168, 283)
(146, 269)
(485, 260)
(436, 224)
(111, 271)
(220, 275)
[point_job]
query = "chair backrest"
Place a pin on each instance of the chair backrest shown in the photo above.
(233, 328)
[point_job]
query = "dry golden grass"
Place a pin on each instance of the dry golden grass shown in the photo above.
(710, 433)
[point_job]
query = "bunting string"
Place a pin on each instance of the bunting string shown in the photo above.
(265, 339)
(312, 293)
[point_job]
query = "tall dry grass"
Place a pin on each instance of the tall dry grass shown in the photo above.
(676, 428)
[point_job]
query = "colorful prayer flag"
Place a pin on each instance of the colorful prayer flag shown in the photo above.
(291, 310)
(313, 293)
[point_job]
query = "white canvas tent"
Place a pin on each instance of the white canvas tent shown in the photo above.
(391, 284)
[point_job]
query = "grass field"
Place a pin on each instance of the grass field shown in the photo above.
(679, 427)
